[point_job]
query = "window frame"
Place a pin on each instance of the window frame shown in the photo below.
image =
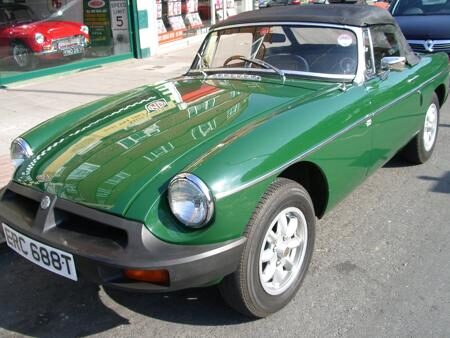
(357, 78)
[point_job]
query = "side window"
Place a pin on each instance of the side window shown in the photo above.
(385, 43)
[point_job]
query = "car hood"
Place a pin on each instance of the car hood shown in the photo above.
(122, 144)
(51, 29)
(424, 27)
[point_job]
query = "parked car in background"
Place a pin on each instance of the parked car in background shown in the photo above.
(276, 3)
(217, 177)
(25, 39)
(425, 24)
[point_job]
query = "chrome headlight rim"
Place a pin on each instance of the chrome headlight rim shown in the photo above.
(24, 153)
(84, 29)
(39, 38)
(203, 188)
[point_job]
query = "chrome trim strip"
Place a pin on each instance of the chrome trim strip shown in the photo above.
(361, 66)
(390, 104)
(323, 143)
(294, 160)
(436, 42)
(292, 72)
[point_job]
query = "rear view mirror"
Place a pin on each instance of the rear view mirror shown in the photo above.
(395, 63)
(277, 38)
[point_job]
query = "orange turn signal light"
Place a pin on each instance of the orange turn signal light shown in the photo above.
(160, 277)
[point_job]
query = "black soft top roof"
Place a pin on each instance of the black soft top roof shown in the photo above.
(342, 14)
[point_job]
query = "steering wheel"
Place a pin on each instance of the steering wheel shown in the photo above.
(232, 58)
(281, 61)
(347, 65)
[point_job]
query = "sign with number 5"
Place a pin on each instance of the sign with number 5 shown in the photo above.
(119, 15)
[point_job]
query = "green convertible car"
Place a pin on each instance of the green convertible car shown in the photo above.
(218, 176)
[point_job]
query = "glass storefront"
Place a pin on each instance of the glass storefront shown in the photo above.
(178, 19)
(41, 35)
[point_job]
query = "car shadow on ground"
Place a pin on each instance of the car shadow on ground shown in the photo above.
(441, 185)
(397, 162)
(200, 306)
(38, 303)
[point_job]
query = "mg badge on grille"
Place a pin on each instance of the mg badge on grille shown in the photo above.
(429, 44)
(45, 202)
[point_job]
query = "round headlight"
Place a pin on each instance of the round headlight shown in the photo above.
(39, 38)
(190, 200)
(20, 151)
(84, 29)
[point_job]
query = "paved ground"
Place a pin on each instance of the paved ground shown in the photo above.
(380, 269)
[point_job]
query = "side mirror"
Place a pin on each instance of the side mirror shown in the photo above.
(395, 63)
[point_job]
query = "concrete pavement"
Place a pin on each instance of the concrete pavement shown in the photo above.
(26, 104)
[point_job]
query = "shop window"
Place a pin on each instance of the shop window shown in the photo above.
(38, 34)
(178, 19)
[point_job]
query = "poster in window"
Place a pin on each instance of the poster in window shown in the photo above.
(97, 18)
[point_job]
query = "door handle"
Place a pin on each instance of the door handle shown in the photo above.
(368, 122)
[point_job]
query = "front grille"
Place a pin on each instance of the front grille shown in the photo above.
(88, 228)
(72, 41)
(434, 46)
(64, 220)
(26, 207)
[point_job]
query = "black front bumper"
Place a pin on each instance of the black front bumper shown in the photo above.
(105, 245)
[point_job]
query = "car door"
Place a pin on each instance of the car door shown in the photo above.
(394, 97)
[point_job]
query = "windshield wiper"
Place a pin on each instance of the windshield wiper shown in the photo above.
(265, 65)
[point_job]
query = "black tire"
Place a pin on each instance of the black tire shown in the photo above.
(243, 290)
(415, 151)
(22, 56)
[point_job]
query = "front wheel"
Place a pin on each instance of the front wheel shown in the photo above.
(280, 239)
(23, 56)
(420, 148)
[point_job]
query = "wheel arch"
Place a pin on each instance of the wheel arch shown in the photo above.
(313, 179)
(16, 40)
(441, 94)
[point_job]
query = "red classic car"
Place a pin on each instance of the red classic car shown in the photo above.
(26, 40)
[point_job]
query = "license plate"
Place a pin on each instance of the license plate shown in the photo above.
(72, 51)
(54, 260)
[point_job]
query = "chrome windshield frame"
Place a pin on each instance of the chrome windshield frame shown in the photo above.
(357, 78)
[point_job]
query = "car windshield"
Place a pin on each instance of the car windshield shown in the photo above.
(297, 50)
(18, 15)
(421, 7)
